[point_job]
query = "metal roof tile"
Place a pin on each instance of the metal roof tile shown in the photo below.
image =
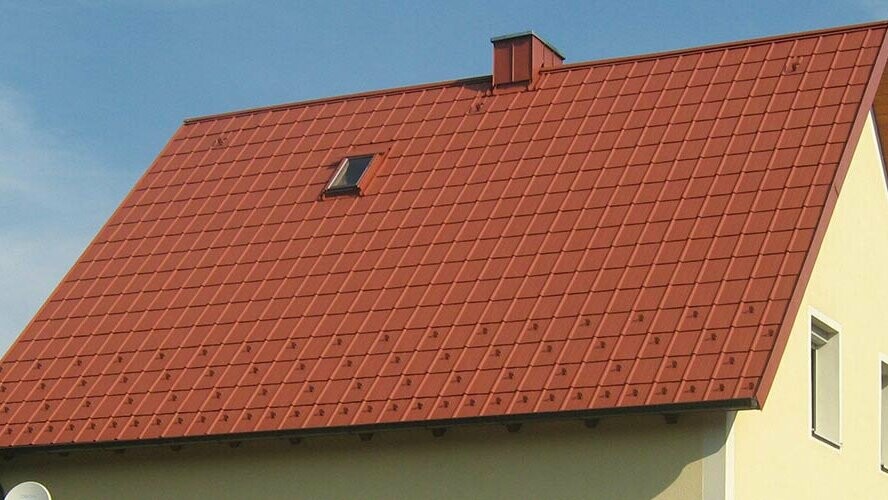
(626, 233)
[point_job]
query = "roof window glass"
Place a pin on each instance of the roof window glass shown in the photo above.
(349, 174)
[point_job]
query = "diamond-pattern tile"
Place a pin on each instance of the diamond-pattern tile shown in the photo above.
(626, 233)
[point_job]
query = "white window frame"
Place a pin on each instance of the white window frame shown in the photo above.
(816, 316)
(883, 459)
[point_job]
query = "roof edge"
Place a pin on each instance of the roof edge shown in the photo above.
(120, 205)
(663, 409)
(795, 302)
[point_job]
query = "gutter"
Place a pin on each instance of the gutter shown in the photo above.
(669, 411)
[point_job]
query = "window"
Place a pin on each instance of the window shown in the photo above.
(884, 415)
(825, 383)
(347, 178)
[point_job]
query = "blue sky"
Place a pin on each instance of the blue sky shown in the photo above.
(90, 90)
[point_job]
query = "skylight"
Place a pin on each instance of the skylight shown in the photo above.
(348, 175)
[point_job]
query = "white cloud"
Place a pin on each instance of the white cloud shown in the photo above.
(53, 198)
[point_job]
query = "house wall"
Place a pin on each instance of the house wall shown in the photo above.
(621, 458)
(775, 454)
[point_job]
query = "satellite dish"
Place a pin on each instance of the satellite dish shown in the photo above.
(29, 490)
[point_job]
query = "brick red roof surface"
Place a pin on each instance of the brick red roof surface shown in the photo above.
(627, 233)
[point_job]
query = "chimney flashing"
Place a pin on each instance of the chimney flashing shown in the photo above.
(528, 33)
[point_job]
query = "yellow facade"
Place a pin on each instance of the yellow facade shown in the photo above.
(622, 458)
(775, 455)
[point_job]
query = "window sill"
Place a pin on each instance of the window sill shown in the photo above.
(827, 441)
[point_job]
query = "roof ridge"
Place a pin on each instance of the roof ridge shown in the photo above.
(565, 67)
(721, 45)
(342, 97)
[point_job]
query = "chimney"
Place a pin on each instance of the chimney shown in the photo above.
(518, 58)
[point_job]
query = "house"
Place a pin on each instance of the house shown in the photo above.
(654, 276)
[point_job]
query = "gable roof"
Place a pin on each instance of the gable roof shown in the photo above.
(626, 234)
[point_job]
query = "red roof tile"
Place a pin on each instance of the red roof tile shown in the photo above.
(626, 233)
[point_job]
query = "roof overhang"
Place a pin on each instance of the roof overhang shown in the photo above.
(668, 410)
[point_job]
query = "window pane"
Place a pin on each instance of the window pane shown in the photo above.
(350, 173)
(825, 402)
(884, 426)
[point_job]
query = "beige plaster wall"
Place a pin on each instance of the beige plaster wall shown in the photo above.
(775, 455)
(622, 458)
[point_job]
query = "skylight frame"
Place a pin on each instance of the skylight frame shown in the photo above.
(331, 190)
